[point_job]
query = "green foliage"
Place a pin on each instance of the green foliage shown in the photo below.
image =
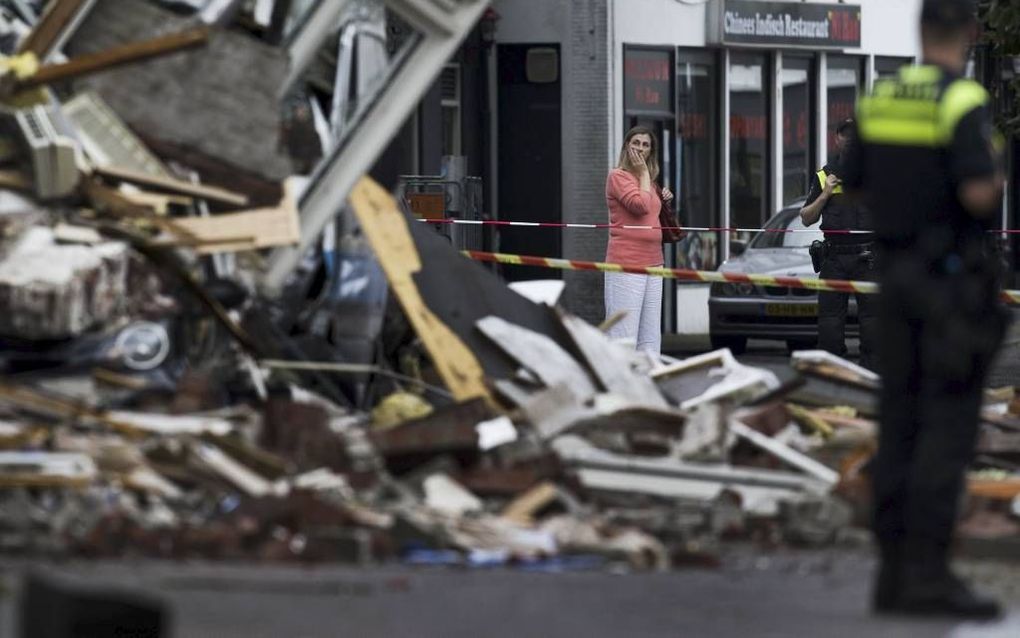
(1001, 20)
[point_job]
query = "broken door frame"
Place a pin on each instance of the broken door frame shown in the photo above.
(441, 26)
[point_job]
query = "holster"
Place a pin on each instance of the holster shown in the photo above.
(818, 252)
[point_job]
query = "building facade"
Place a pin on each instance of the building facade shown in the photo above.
(744, 96)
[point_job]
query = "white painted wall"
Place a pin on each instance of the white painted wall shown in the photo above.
(890, 27)
(660, 22)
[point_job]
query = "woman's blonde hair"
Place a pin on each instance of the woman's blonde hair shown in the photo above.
(653, 156)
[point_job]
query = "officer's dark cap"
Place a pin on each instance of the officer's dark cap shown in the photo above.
(948, 14)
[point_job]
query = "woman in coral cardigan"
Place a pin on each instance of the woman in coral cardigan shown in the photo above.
(634, 200)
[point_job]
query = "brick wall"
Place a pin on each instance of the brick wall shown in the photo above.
(586, 136)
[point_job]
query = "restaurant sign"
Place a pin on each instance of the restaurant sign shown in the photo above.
(786, 23)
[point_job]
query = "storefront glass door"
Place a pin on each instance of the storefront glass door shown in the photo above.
(749, 140)
(798, 131)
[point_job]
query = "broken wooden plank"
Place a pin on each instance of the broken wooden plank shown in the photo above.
(810, 420)
(712, 377)
(507, 482)
(117, 56)
(46, 469)
(170, 185)
(761, 490)
(215, 460)
(44, 36)
(264, 227)
(129, 423)
(171, 424)
(114, 203)
(523, 508)
(1005, 489)
(829, 366)
(16, 180)
(448, 429)
(785, 453)
(540, 354)
(386, 229)
(611, 363)
(71, 234)
(158, 202)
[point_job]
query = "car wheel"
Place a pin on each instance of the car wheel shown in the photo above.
(794, 345)
(737, 345)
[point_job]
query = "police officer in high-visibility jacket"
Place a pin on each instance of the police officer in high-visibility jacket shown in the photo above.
(928, 166)
(843, 255)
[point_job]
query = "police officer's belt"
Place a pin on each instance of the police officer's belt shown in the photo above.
(848, 249)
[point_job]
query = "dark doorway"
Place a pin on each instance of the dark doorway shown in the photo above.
(529, 154)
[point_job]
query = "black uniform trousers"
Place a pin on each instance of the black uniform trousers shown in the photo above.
(939, 334)
(851, 263)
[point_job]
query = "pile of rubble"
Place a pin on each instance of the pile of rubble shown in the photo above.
(395, 401)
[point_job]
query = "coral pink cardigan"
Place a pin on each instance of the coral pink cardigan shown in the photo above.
(629, 205)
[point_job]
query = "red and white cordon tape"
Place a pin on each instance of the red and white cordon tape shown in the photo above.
(690, 229)
(833, 285)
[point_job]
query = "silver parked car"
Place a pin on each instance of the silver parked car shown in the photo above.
(738, 312)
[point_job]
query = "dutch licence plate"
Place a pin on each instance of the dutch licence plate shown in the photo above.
(791, 310)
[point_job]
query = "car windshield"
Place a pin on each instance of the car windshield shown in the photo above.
(786, 220)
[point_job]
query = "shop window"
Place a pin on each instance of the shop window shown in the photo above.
(697, 153)
(648, 99)
(647, 82)
(798, 119)
(843, 82)
(749, 140)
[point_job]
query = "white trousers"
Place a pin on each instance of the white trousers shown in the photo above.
(641, 297)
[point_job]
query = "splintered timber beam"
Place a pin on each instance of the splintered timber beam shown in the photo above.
(170, 185)
(386, 229)
(44, 35)
(117, 56)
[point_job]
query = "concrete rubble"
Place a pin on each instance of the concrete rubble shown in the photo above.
(155, 402)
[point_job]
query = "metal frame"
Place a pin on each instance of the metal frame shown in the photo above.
(777, 145)
(724, 154)
(309, 36)
(442, 25)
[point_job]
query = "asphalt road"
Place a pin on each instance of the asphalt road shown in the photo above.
(754, 594)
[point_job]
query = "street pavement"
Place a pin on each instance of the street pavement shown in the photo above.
(755, 593)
